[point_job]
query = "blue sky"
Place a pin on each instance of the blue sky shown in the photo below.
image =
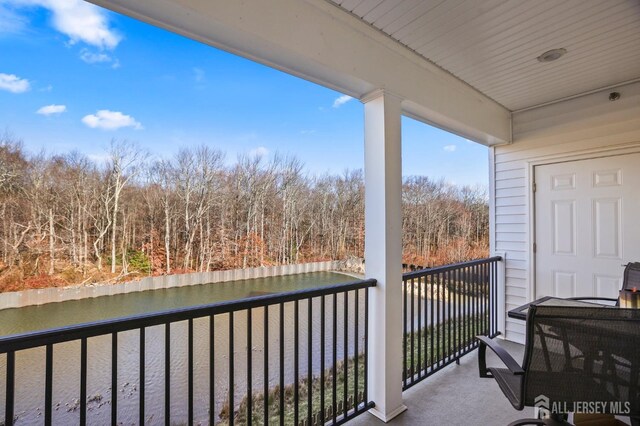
(74, 76)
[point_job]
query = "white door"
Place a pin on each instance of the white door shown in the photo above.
(587, 225)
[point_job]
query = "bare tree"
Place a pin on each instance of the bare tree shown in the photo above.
(124, 164)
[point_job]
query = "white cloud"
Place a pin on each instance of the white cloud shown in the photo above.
(94, 58)
(341, 101)
(11, 22)
(110, 120)
(307, 132)
(99, 58)
(450, 148)
(80, 21)
(51, 109)
(199, 75)
(13, 83)
(260, 151)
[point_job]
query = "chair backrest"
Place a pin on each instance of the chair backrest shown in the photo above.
(631, 277)
(576, 356)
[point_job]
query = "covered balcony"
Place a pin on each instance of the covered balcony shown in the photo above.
(552, 88)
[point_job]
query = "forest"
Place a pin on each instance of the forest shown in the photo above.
(70, 219)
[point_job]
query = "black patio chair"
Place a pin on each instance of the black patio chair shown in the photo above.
(574, 356)
(631, 279)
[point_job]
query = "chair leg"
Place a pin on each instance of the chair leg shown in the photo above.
(554, 420)
(523, 422)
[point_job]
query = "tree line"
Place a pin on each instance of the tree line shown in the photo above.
(71, 219)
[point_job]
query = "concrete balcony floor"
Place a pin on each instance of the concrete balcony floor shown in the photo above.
(456, 396)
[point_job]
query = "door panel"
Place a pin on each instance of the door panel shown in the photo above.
(587, 225)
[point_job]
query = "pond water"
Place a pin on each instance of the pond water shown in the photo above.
(29, 392)
(52, 315)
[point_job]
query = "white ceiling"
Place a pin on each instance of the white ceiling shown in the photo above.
(493, 44)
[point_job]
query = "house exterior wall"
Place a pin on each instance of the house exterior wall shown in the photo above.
(585, 127)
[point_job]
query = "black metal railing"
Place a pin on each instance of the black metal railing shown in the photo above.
(444, 308)
(318, 376)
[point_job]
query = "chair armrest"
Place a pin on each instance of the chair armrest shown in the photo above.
(504, 356)
(605, 299)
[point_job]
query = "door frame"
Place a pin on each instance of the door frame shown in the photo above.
(587, 154)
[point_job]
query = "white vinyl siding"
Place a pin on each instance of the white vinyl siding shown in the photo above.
(585, 126)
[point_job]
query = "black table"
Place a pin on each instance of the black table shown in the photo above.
(521, 311)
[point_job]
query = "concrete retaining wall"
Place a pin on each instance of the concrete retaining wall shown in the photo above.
(20, 299)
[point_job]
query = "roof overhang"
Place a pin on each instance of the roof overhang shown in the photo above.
(317, 41)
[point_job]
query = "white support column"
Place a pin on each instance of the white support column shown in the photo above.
(383, 250)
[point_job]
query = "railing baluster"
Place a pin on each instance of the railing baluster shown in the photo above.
(265, 396)
(487, 300)
(309, 362)
(190, 373)
(473, 305)
(249, 372)
(356, 348)
(486, 294)
(412, 319)
(366, 347)
(231, 371)
(495, 298)
(83, 381)
(48, 385)
(493, 323)
(453, 318)
(449, 322)
(442, 327)
(467, 304)
(142, 375)
(476, 283)
(167, 374)
(474, 311)
(420, 331)
(296, 362)
(334, 402)
(483, 289)
(10, 388)
(322, 354)
(477, 303)
(345, 349)
(456, 308)
(424, 281)
(432, 334)
(281, 401)
(405, 332)
(114, 379)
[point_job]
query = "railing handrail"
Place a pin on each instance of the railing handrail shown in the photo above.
(445, 268)
(55, 335)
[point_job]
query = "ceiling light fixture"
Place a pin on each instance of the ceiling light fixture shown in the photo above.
(552, 55)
